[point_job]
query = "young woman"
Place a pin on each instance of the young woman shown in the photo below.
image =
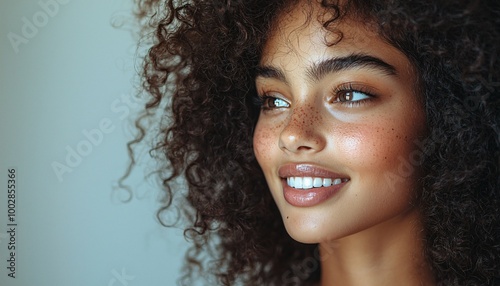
(331, 142)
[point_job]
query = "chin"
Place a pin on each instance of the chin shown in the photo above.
(307, 227)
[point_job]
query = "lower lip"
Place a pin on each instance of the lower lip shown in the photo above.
(309, 197)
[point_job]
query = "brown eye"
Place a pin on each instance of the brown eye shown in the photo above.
(351, 95)
(345, 95)
(269, 102)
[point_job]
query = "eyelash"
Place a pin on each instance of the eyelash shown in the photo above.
(351, 87)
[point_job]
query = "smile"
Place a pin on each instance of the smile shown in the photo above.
(313, 182)
(307, 185)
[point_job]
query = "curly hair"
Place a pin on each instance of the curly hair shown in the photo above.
(202, 65)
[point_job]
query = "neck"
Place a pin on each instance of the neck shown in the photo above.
(386, 254)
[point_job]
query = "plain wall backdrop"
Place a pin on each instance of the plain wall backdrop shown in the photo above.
(67, 84)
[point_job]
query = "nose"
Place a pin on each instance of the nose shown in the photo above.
(302, 133)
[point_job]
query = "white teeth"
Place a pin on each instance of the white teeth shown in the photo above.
(298, 182)
(310, 182)
(307, 183)
(291, 181)
(327, 182)
(317, 182)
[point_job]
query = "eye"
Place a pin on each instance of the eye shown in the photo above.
(271, 102)
(351, 95)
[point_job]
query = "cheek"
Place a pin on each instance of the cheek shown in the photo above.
(377, 148)
(265, 140)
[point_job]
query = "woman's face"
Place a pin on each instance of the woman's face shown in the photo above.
(337, 127)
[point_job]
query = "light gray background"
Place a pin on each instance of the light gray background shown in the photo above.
(75, 71)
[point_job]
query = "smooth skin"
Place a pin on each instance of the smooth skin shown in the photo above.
(353, 109)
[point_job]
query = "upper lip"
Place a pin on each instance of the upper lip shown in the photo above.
(307, 170)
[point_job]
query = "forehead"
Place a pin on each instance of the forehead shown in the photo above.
(299, 31)
(303, 23)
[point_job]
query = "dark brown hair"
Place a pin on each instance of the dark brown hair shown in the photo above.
(202, 64)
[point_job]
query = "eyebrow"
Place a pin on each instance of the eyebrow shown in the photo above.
(319, 70)
(270, 72)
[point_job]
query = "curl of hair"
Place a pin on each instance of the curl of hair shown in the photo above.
(203, 61)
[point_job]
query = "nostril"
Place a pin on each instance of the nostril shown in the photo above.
(303, 142)
(304, 148)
